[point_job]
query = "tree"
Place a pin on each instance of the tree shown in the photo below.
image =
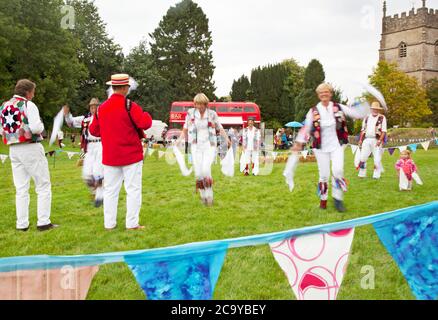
(34, 46)
(154, 93)
(432, 95)
(181, 51)
(313, 77)
(97, 52)
(240, 89)
(406, 99)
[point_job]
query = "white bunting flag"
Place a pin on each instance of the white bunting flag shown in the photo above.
(315, 265)
(151, 151)
(161, 154)
(274, 155)
(304, 154)
(404, 148)
(70, 154)
(3, 157)
(354, 148)
(426, 145)
(417, 178)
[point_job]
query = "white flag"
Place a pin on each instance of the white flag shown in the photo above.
(404, 182)
(274, 155)
(161, 154)
(404, 148)
(354, 148)
(357, 158)
(3, 157)
(70, 154)
(426, 145)
(57, 125)
(417, 178)
(151, 151)
(181, 162)
(289, 171)
(304, 154)
(227, 164)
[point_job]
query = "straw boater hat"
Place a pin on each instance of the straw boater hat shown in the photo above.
(94, 102)
(118, 80)
(376, 106)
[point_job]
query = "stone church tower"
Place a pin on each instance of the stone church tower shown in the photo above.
(411, 40)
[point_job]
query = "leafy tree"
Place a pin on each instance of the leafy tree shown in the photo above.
(241, 89)
(154, 93)
(406, 98)
(97, 52)
(314, 75)
(432, 95)
(181, 51)
(34, 46)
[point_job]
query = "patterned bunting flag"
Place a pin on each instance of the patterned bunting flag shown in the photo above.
(391, 151)
(413, 147)
(3, 157)
(67, 283)
(412, 241)
(315, 265)
(426, 145)
(190, 275)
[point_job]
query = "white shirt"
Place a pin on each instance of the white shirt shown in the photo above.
(371, 126)
(201, 127)
(329, 137)
(250, 136)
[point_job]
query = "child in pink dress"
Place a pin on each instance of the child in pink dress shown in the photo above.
(407, 165)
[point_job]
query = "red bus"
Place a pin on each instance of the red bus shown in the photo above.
(231, 114)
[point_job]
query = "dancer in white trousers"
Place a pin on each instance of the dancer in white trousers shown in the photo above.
(251, 142)
(372, 139)
(92, 170)
(21, 130)
(326, 125)
(202, 127)
(120, 124)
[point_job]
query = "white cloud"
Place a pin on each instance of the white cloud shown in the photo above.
(343, 34)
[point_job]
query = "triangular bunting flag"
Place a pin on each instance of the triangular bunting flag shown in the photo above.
(161, 154)
(426, 145)
(70, 154)
(274, 155)
(315, 265)
(357, 158)
(151, 151)
(412, 241)
(172, 275)
(391, 151)
(354, 148)
(404, 148)
(436, 142)
(3, 157)
(67, 283)
(413, 147)
(304, 154)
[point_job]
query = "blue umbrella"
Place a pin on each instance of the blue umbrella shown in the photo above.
(294, 124)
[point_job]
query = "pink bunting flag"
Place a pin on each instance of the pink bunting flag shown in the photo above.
(315, 265)
(67, 283)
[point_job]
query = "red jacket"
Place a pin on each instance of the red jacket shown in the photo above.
(120, 141)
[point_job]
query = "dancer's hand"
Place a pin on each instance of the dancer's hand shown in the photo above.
(360, 144)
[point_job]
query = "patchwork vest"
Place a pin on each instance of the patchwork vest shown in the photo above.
(213, 127)
(379, 127)
(15, 123)
(341, 126)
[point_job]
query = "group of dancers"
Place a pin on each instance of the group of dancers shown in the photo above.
(111, 137)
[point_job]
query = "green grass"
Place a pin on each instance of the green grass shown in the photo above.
(173, 215)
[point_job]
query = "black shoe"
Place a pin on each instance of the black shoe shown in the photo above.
(48, 227)
(23, 230)
(98, 203)
(340, 206)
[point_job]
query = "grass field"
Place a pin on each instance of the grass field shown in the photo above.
(244, 206)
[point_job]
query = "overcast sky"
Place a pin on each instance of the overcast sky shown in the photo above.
(343, 34)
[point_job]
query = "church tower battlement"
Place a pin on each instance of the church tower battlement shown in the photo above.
(410, 39)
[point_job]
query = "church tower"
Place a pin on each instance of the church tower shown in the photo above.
(411, 41)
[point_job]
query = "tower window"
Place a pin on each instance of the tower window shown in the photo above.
(403, 50)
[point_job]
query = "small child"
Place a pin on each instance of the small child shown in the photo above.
(406, 165)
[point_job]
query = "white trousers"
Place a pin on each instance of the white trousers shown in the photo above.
(370, 146)
(93, 167)
(203, 157)
(337, 161)
(131, 176)
(252, 157)
(29, 162)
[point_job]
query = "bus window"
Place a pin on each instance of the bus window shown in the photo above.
(177, 109)
(236, 109)
(222, 109)
(249, 110)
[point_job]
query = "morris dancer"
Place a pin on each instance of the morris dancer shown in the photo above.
(21, 127)
(120, 124)
(326, 124)
(92, 171)
(251, 141)
(372, 138)
(202, 126)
